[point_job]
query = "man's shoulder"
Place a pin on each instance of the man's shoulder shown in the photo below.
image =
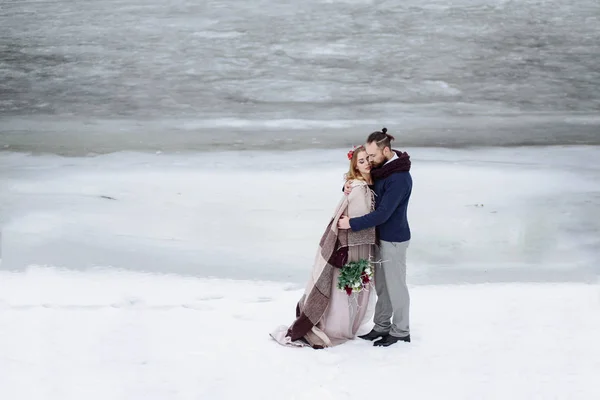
(400, 176)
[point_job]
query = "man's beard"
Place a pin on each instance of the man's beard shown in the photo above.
(377, 164)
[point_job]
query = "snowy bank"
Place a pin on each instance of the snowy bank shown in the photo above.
(123, 335)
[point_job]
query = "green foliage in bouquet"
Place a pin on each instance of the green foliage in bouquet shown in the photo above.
(355, 276)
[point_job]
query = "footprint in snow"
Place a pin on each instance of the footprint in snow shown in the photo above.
(208, 298)
(263, 300)
(198, 307)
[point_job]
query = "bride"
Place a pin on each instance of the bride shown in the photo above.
(325, 314)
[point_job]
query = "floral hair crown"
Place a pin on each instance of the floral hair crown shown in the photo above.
(351, 152)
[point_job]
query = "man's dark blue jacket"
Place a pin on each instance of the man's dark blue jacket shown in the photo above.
(392, 187)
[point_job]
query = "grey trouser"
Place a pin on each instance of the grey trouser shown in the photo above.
(393, 300)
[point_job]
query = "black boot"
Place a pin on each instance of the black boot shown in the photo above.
(374, 335)
(390, 340)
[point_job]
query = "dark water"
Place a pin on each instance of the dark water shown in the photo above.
(101, 75)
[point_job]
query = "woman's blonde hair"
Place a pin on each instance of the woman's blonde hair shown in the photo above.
(353, 170)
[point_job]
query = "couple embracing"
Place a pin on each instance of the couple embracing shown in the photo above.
(366, 240)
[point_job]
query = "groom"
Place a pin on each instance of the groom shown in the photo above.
(393, 186)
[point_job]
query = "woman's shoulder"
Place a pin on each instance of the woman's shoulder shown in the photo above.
(357, 182)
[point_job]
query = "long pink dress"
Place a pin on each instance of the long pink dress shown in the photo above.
(346, 316)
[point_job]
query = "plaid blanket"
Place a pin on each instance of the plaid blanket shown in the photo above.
(332, 253)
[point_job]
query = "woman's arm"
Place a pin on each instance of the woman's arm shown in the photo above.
(359, 201)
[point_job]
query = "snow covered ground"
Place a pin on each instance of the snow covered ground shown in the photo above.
(159, 276)
(128, 335)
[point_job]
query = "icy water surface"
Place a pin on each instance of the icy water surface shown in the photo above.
(80, 77)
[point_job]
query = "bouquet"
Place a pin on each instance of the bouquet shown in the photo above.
(355, 276)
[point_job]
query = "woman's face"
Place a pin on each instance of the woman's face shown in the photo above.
(362, 164)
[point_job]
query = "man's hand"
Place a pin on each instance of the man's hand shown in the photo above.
(347, 188)
(344, 223)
